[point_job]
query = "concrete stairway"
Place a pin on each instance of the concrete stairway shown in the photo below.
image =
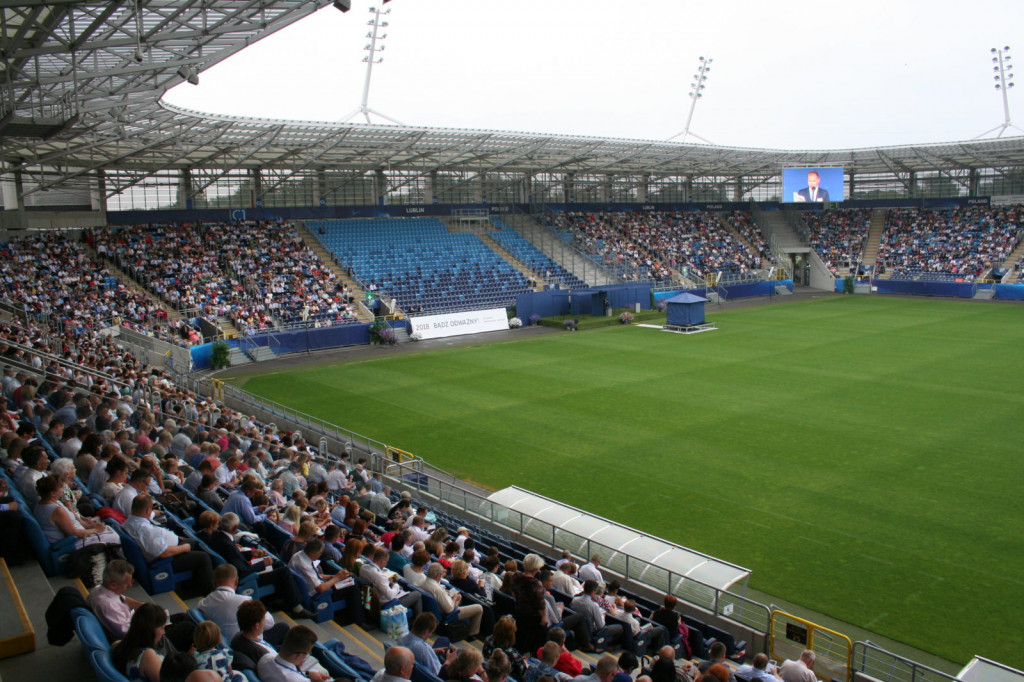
(513, 261)
(236, 356)
(228, 327)
(328, 260)
(570, 259)
(724, 221)
(130, 282)
(1010, 260)
(874, 240)
(776, 229)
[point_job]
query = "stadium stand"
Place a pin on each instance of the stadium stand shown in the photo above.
(650, 245)
(420, 264)
(260, 275)
(59, 282)
(532, 257)
(838, 236)
(121, 402)
(958, 243)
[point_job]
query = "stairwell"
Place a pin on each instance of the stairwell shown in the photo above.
(724, 221)
(329, 262)
(130, 283)
(567, 256)
(513, 261)
(1010, 260)
(779, 233)
(874, 239)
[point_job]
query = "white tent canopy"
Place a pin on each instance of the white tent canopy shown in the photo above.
(624, 543)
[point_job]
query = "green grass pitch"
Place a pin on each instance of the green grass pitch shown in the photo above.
(861, 454)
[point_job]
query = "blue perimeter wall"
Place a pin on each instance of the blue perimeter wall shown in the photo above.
(293, 342)
(1004, 292)
(734, 291)
(555, 302)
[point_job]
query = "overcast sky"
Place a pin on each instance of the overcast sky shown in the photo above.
(785, 74)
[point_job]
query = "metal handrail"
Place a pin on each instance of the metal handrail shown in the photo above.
(874, 661)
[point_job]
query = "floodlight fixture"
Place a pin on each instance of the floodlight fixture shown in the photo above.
(1003, 81)
(696, 92)
(373, 47)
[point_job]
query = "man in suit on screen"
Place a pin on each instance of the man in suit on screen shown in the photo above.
(812, 192)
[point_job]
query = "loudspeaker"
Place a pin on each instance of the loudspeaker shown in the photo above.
(343, 5)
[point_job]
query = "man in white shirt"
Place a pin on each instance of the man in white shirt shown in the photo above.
(448, 603)
(800, 670)
(221, 605)
(306, 564)
(227, 473)
(160, 543)
(586, 604)
(592, 570)
(758, 670)
(337, 478)
(398, 665)
(386, 586)
(287, 664)
(564, 582)
(138, 483)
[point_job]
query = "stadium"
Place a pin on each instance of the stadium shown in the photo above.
(501, 325)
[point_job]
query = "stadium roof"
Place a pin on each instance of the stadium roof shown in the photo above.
(616, 541)
(83, 82)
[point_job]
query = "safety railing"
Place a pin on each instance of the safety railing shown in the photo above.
(790, 635)
(874, 661)
(239, 399)
(473, 505)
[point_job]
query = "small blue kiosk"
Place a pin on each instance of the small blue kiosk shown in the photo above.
(686, 314)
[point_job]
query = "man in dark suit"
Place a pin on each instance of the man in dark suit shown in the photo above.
(812, 192)
(222, 542)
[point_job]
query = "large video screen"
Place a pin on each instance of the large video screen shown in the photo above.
(800, 185)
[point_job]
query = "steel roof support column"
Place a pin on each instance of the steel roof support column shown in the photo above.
(642, 187)
(185, 189)
(380, 187)
(912, 185)
(972, 182)
(319, 185)
(569, 188)
(98, 193)
(256, 193)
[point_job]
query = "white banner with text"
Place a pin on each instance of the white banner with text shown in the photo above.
(454, 324)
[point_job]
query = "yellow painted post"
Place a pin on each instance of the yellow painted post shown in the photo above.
(790, 635)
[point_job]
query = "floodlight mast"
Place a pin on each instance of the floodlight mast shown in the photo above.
(1004, 81)
(376, 24)
(696, 92)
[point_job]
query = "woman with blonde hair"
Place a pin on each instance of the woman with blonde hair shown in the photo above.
(460, 579)
(291, 519)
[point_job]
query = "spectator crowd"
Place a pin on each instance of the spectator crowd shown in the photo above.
(650, 245)
(963, 242)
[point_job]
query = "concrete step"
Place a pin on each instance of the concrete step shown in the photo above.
(984, 294)
(54, 663)
(262, 353)
(237, 357)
